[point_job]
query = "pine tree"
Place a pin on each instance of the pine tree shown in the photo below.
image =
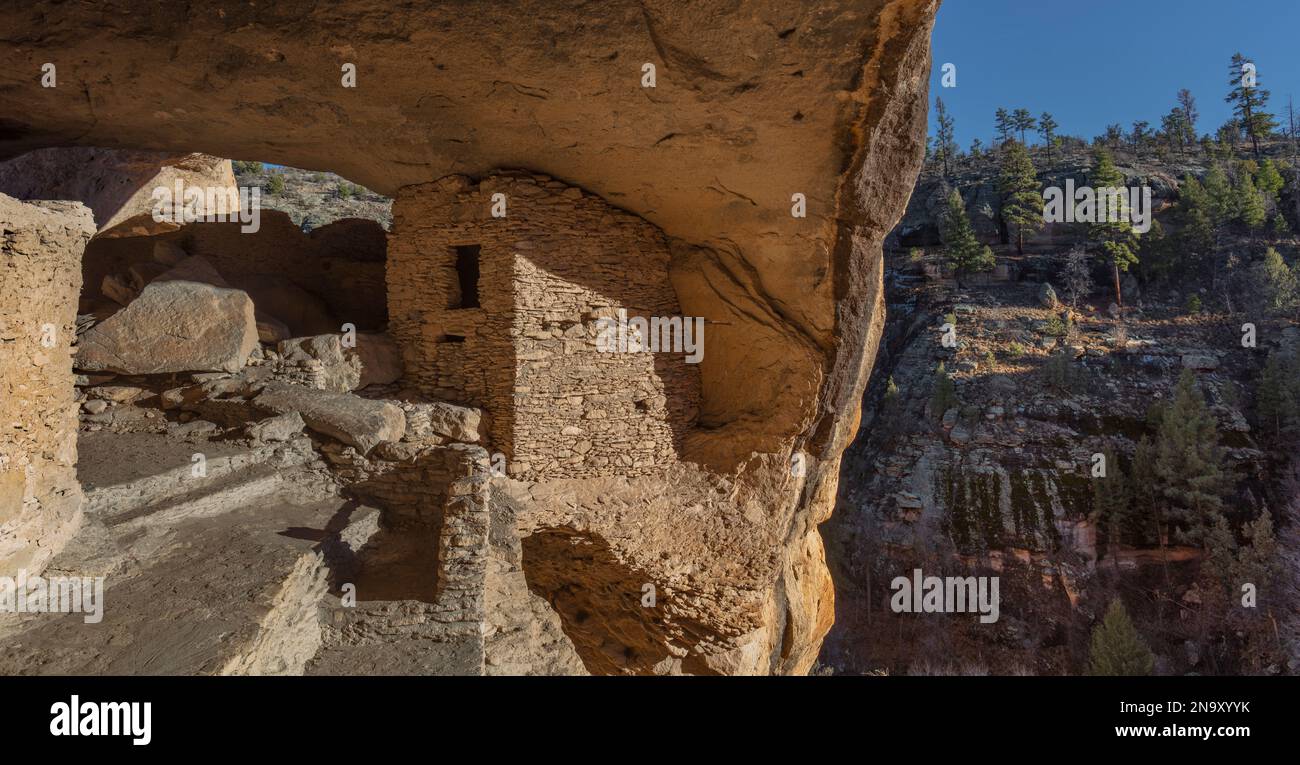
(1145, 495)
(1195, 238)
(1223, 200)
(1187, 106)
(1269, 181)
(960, 247)
(1250, 204)
(1139, 136)
(1047, 129)
(945, 148)
(1111, 504)
(1277, 397)
(1003, 125)
(1117, 648)
(1022, 120)
(1114, 236)
(1248, 103)
(1273, 283)
(1189, 468)
(1022, 202)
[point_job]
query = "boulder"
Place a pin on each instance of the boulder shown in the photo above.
(380, 359)
(304, 313)
(195, 268)
(168, 254)
(173, 326)
(376, 359)
(1200, 362)
(355, 421)
(1047, 296)
(459, 423)
(281, 427)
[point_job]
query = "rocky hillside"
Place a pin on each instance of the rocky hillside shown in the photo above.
(313, 199)
(994, 474)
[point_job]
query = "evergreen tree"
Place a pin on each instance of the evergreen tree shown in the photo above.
(1173, 127)
(1022, 202)
(1003, 125)
(945, 148)
(1022, 121)
(1223, 200)
(1111, 504)
(1281, 229)
(1269, 181)
(1157, 253)
(1273, 283)
(1250, 204)
(1117, 648)
(1249, 102)
(1139, 136)
(1195, 238)
(1277, 397)
(960, 247)
(1189, 468)
(944, 396)
(1145, 495)
(1187, 106)
(1114, 237)
(1047, 129)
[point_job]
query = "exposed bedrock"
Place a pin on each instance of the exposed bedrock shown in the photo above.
(753, 103)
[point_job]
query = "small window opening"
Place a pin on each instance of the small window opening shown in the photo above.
(466, 276)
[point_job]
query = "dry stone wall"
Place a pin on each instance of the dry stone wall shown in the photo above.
(504, 313)
(40, 276)
(340, 264)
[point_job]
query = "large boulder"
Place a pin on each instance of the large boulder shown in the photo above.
(358, 422)
(302, 312)
(173, 326)
(376, 360)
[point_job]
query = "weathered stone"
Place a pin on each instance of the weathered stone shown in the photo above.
(279, 428)
(357, 422)
(40, 277)
(174, 326)
(1047, 296)
(459, 423)
(1201, 362)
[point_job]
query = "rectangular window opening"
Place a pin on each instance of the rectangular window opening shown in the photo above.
(467, 272)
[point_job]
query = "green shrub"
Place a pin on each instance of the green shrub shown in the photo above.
(275, 186)
(1193, 304)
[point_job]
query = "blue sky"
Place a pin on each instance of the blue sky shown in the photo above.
(1097, 62)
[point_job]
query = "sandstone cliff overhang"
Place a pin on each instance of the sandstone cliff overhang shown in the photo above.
(753, 104)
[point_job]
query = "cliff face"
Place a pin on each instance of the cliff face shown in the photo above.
(752, 104)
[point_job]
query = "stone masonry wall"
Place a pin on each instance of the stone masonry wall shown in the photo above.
(40, 277)
(342, 263)
(548, 271)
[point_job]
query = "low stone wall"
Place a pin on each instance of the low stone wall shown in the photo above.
(341, 263)
(40, 277)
